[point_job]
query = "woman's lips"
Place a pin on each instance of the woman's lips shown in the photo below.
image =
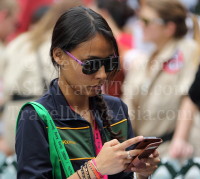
(97, 87)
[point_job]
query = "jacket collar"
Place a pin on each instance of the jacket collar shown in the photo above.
(63, 110)
(168, 51)
(60, 104)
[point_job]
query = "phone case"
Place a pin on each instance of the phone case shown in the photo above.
(148, 148)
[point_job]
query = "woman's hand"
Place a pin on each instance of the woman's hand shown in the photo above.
(179, 148)
(113, 158)
(151, 165)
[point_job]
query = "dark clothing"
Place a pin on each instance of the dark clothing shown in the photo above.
(32, 146)
(195, 90)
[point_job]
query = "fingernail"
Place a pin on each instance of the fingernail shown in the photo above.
(141, 137)
(133, 169)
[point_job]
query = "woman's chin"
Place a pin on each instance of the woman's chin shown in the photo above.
(146, 39)
(93, 93)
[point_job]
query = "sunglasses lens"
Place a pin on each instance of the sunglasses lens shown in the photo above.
(90, 67)
(93, 66)
(112, 64)
(86, 68)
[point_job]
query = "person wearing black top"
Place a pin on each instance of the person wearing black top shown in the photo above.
(195, 90)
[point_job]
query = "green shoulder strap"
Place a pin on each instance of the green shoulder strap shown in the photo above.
(57, 149)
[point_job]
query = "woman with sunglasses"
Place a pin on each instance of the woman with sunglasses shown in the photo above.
(84, 134)
(156, 87)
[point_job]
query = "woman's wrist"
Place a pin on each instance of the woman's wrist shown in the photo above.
(92, 176)
(93, 162)
(180, 136)
(100, 168)
(142, 177)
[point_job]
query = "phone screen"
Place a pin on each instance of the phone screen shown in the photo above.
(145, 140)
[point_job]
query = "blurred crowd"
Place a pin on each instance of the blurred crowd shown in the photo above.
(159, 80)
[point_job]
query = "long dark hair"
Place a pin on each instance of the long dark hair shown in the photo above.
(78, 25)
(119, 10)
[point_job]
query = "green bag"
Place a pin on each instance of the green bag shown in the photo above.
(57, 149)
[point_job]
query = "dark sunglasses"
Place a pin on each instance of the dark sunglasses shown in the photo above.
(92, 66)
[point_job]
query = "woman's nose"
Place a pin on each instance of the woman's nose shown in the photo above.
(141, 24)
(101, 74)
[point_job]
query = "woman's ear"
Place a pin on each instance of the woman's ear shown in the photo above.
(58, 56)
(3, 14)
(170, 29)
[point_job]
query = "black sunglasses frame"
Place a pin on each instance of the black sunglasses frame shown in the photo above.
(110, 64)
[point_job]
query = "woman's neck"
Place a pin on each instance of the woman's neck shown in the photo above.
(161, 44)
(77, 101)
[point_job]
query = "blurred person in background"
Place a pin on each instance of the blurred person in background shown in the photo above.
(117, 13)
(26, 10)
(8, 22)
(8, 11)
(3, 144)
(156, 87)
(29, 69)
(146, 47)
(139, 46)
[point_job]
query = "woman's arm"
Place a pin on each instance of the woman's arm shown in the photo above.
(32, 147)
(179, 145)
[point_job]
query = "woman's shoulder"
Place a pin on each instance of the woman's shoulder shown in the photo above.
(29, 117)
(187, 42)
(190, 50)
(187, 45)
(46, 101)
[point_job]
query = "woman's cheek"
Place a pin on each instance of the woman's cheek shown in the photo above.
(84, 79)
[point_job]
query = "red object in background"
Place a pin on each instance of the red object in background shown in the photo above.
(26, 10)
(125, 43)
(87, 2)
(125, 40)
(175, 64)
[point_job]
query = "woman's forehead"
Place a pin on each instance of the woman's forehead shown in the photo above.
(147, 11)
(97, 46)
